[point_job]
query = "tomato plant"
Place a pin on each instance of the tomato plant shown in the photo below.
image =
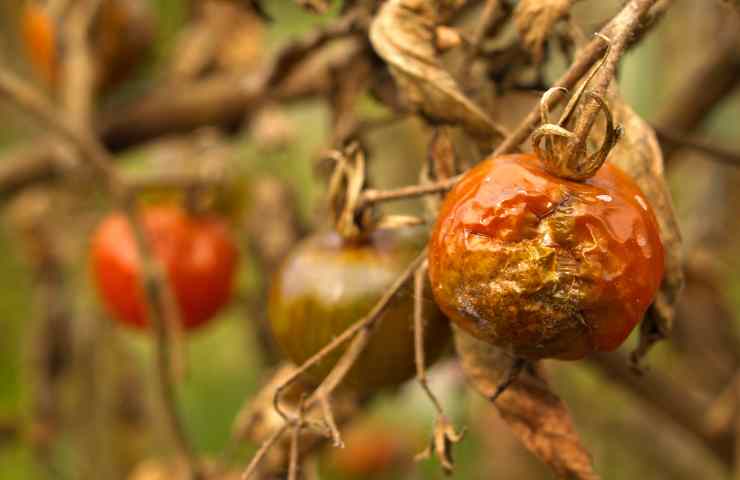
(196, 252)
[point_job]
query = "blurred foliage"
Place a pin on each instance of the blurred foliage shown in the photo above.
(217, 381)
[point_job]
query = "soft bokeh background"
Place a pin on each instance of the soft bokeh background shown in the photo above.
(628, 436)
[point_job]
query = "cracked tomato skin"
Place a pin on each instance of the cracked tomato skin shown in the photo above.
(327, 284)
(542, 266)
(196, 252)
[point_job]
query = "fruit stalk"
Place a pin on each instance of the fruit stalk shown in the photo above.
(621, 29)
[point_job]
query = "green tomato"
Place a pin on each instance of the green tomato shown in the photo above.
(328, 283)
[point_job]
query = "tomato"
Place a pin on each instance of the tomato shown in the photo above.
(543, 266)
(372, 450)
(196, 252)
(121, 33)
(328, 283)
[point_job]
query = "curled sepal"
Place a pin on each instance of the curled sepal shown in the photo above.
(346, 184)
(444, 437)
(558, 156)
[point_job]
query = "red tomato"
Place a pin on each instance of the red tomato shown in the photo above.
(197, 253)
(543, 266)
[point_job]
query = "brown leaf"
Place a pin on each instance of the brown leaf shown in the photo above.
(535, 20)
(536, 416)
(403, 34)
(638, 153)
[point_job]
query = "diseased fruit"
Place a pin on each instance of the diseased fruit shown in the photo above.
(196, 252)
(543, 266)
(121, 33)
(328, 283)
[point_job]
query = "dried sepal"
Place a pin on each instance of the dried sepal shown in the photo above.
(536, 416)
(345, 186)
(535, 20)
(404, 34)
(443, 438)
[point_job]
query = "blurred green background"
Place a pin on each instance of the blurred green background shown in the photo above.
(626, 438)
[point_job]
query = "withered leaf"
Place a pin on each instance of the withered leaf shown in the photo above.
(538, 418)
(535, 19)
(403, 34)
(638, 153)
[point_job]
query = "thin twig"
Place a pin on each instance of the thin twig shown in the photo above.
(295, 440)
(719, 154)
(264, 449)
(421, 370)
(623, 27)
(371, 196)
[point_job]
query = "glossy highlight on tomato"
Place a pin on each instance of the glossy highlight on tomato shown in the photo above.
(196, 252)
(328, 283)
(542, 266)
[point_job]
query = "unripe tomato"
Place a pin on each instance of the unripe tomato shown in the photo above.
(121, 33)
(196, 252)
(543, 266)
(328, 283)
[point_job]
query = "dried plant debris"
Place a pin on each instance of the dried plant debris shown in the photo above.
(538, 418)
(638, 153)
(535, 20)
(443, 439)
(258, 420)
(404, 35)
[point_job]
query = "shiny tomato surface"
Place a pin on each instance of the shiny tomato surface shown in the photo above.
(327, 284)
(197, 253)
(543, 266)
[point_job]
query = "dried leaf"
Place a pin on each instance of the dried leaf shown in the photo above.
(403, 34)
(638, 153)
(537, 416)
(535, 19)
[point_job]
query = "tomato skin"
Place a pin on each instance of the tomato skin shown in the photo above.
(327, 284)
(545, 267)
(196, 252)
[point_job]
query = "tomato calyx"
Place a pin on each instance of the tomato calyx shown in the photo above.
(565, 153)
(354, 220)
